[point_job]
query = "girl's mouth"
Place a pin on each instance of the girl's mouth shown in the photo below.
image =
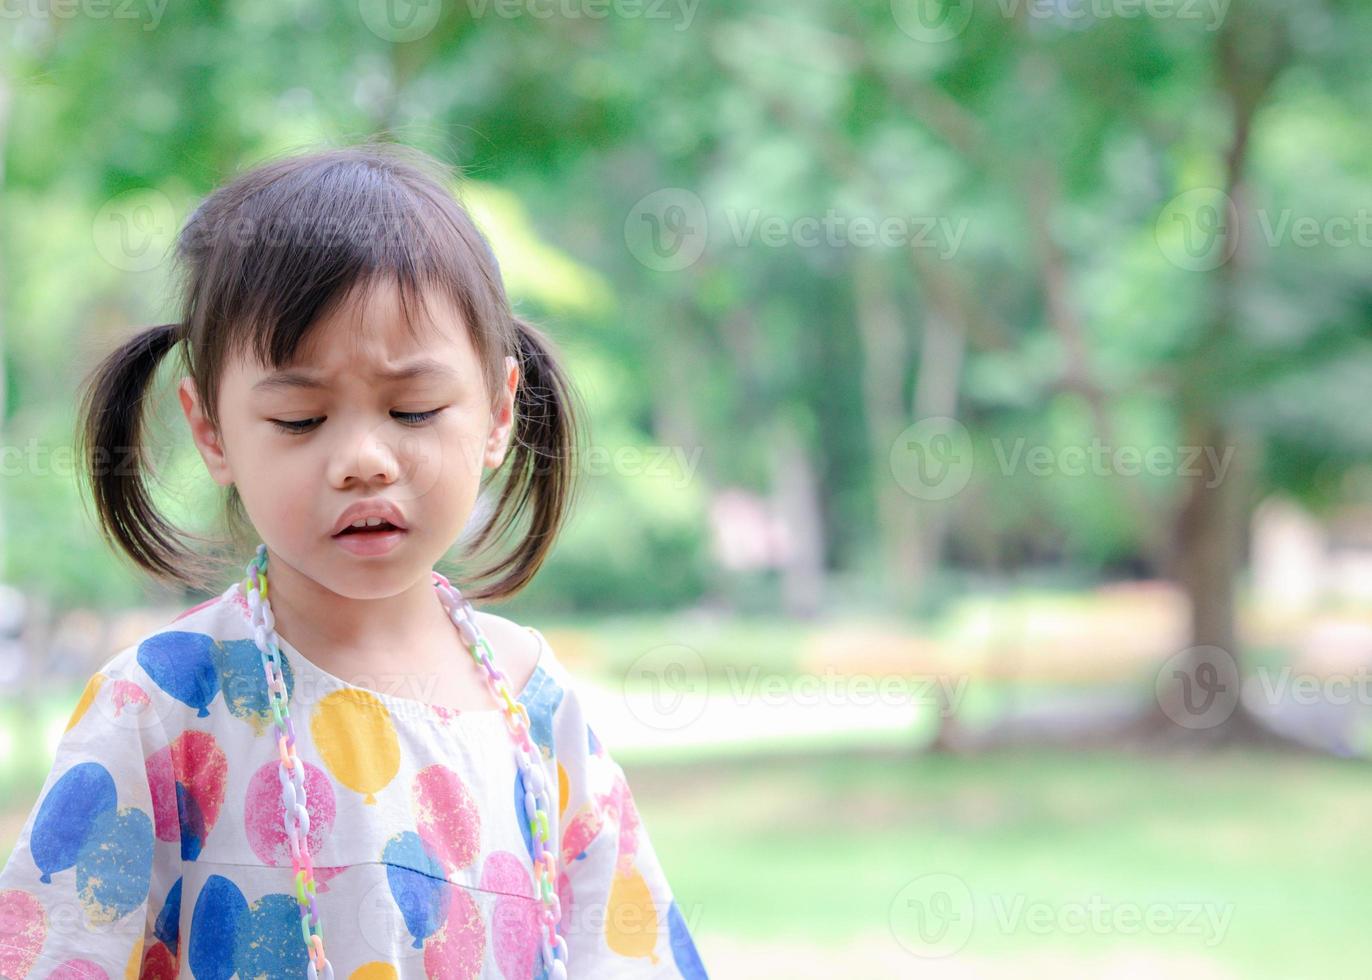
(370, 541)
(383, 526)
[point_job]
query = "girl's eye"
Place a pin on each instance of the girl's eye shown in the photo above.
(416, 418)
(295, 428)
(302, 426)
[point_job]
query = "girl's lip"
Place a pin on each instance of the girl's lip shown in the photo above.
(370, 543)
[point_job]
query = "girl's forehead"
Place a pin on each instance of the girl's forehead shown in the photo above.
(369, 334)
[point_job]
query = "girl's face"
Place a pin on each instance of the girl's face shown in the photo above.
(366, 413)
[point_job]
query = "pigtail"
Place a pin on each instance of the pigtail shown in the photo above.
(110, 445)
(542, 468)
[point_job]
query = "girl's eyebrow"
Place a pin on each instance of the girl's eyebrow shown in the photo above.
(425, 368)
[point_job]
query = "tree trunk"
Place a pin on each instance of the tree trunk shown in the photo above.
(1211, 523)
(884, 352)
(795, 494)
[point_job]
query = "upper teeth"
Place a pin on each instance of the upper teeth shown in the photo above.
(368, 522)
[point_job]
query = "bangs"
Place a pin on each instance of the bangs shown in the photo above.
(278, 252)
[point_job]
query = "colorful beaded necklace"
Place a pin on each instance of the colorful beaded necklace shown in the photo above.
(537, 803)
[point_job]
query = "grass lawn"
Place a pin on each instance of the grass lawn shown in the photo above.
(1023, 864)
(1244, 865)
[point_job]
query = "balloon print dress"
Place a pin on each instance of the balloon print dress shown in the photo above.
(157, 846)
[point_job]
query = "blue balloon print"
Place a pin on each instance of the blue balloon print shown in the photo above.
(239, 664)
(220, 914)
(521, 817)
(269, 943)
(683, 947)
(418, 884)
(168, 926)
(114, 869)
(67, 816)
(192, 820)
(541, 696)
(182, 664)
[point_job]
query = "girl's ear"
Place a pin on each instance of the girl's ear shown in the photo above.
(207, 440)
(503, 418)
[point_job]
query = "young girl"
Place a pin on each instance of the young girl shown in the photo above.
(338, 767)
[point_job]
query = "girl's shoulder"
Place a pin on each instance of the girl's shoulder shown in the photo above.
(530, 662)
(517, 650)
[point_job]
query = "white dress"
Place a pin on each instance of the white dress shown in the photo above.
(157, 848)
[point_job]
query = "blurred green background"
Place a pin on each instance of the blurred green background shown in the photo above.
(974, 568)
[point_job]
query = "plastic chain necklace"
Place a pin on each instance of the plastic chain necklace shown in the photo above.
(537, 803)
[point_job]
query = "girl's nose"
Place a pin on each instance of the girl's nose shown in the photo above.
(368, 458)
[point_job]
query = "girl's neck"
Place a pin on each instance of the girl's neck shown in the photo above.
(334, 629)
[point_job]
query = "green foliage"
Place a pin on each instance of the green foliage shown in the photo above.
(1034, 134)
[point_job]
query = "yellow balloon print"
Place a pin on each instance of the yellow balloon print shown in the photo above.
(630, 916)
(355, 737)
(135, 963)
(562, 790)
(87, 699)
(374, 970)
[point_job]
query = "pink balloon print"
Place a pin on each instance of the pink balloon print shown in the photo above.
(194, 762)
(322, 874)
(128, 694)
(580, 831)
(514, 928)
(78, 970)
(457, 950)
(162, 782)
(264, 812)
(621, 803)
(23, 928)
(446, 816)
(201, 767)
(505, 872)
(445, 713)
(564, 892)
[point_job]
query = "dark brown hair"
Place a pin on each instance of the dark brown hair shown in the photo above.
(262, 259)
